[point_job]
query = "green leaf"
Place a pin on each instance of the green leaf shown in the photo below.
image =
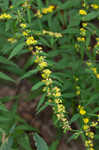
(93, 99)
(69, 4)
(41, 101)
(74, 136)
(3, 108)
(71, 31)
(74, 118)
(25, 127)
(29, 62)
(68, 95)
(43, 107)
(29, 73)
(5, 77)
(29, 15)
(54, 145)
(23, 140)
(16, 50)
(40, 143)
(37, 85)
(7, 145)
(6, 61)
(91, 16)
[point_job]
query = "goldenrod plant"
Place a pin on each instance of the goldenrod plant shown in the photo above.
(59, 43)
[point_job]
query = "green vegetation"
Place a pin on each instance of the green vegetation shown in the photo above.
(59, 43)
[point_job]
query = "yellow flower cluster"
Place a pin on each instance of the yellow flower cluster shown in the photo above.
(5, 16)
(52, 93)
(55, 34)
(82, 33)
(40, 60)
(82, 12)
(31, 41)
(94, 69)
(56, 92)
(89, 135)
(60, 113)
(46, 73)
(45, 11)
(86, 128)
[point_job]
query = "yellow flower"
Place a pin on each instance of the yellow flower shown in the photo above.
(94, 70)
(82, 111)
(57, 94)
(38, 47)
(23, 25)
(76, 79)
(94, 124)
(11, 7)
(91, 148)
(46, 73)
(39, 59)
(5, 16)
(82, 12)
(97, 75)
(91, 135)
(43, 64)
(82, 31)
(79, 106)
(12, 40)
(58, 35)
(97, 39)
(25, 33)
(38, 13)
(88, 142)
(31, 40)
(26, 5)
(30, 48)
(86, 120)
(85, 127)
(78, 92)
(77, 87)
(48, 10)
(84, 24)
(44, 10)
(81, 39)
(94, 6)
(89, 63)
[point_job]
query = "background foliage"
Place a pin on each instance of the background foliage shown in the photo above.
(67, 33)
